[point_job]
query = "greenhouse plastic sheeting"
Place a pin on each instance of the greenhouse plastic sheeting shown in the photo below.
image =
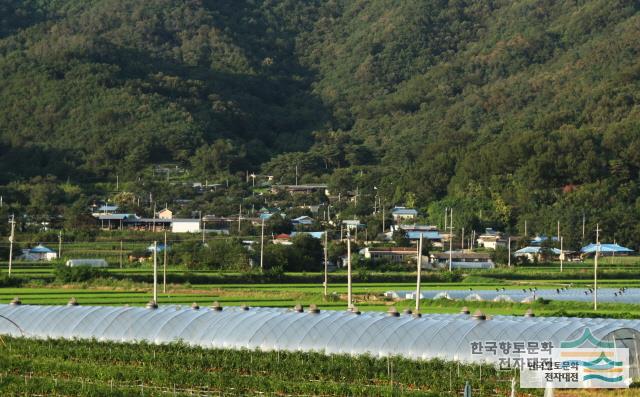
(440, 335)
(630, 295)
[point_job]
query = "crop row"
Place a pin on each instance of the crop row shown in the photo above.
(59, 367)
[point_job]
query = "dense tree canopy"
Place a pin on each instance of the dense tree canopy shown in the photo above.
(507, 111)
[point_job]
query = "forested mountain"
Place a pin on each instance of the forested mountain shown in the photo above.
(506, 110)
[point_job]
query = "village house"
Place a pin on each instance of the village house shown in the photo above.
(535, 253)
(282, 239)
(429, 234)
(491, 239)
(390, 254)
(302, 189)
(165, 214)
(462, 260)
(104, 209)
(38, 253)
(403, 214)
(303, 220)
(133, 222)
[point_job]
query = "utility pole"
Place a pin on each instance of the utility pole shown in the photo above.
(462, 240)
(595, 269)
(120, 254)
(262, 246)
(203, 227)
(525, 228)
(383, 230)
(117, 183)
(155, 272)
(154, 216)
(451, 242)
(558, 235)
(446, 213)
(11, 238)
(561, 253)
(473, 239)
(583, 227)
(164, 265)
(239, 219)
(60, 244)
(349, 294)
(326, 263)
(509, 250)
(419, 274)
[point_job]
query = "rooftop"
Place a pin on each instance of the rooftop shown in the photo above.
(404, 211)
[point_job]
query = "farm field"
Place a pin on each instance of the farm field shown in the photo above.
(84, 368)
(132, 286)
(366, 296)
(87, 369)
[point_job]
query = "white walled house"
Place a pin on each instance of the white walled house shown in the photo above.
(390, 254)
(462, 260)
(491, 239)
(185, 225)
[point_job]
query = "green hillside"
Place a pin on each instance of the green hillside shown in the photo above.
(507, 110)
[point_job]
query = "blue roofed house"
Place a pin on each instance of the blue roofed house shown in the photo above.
(402, 214)
(265, 216)
(605, 249)
(537, 253)
(38, 253)
(429, 233)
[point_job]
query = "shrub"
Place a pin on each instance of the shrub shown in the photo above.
(66, 274)
(6, 281)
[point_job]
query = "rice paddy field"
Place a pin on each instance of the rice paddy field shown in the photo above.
(89, 368)
(132, 285)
